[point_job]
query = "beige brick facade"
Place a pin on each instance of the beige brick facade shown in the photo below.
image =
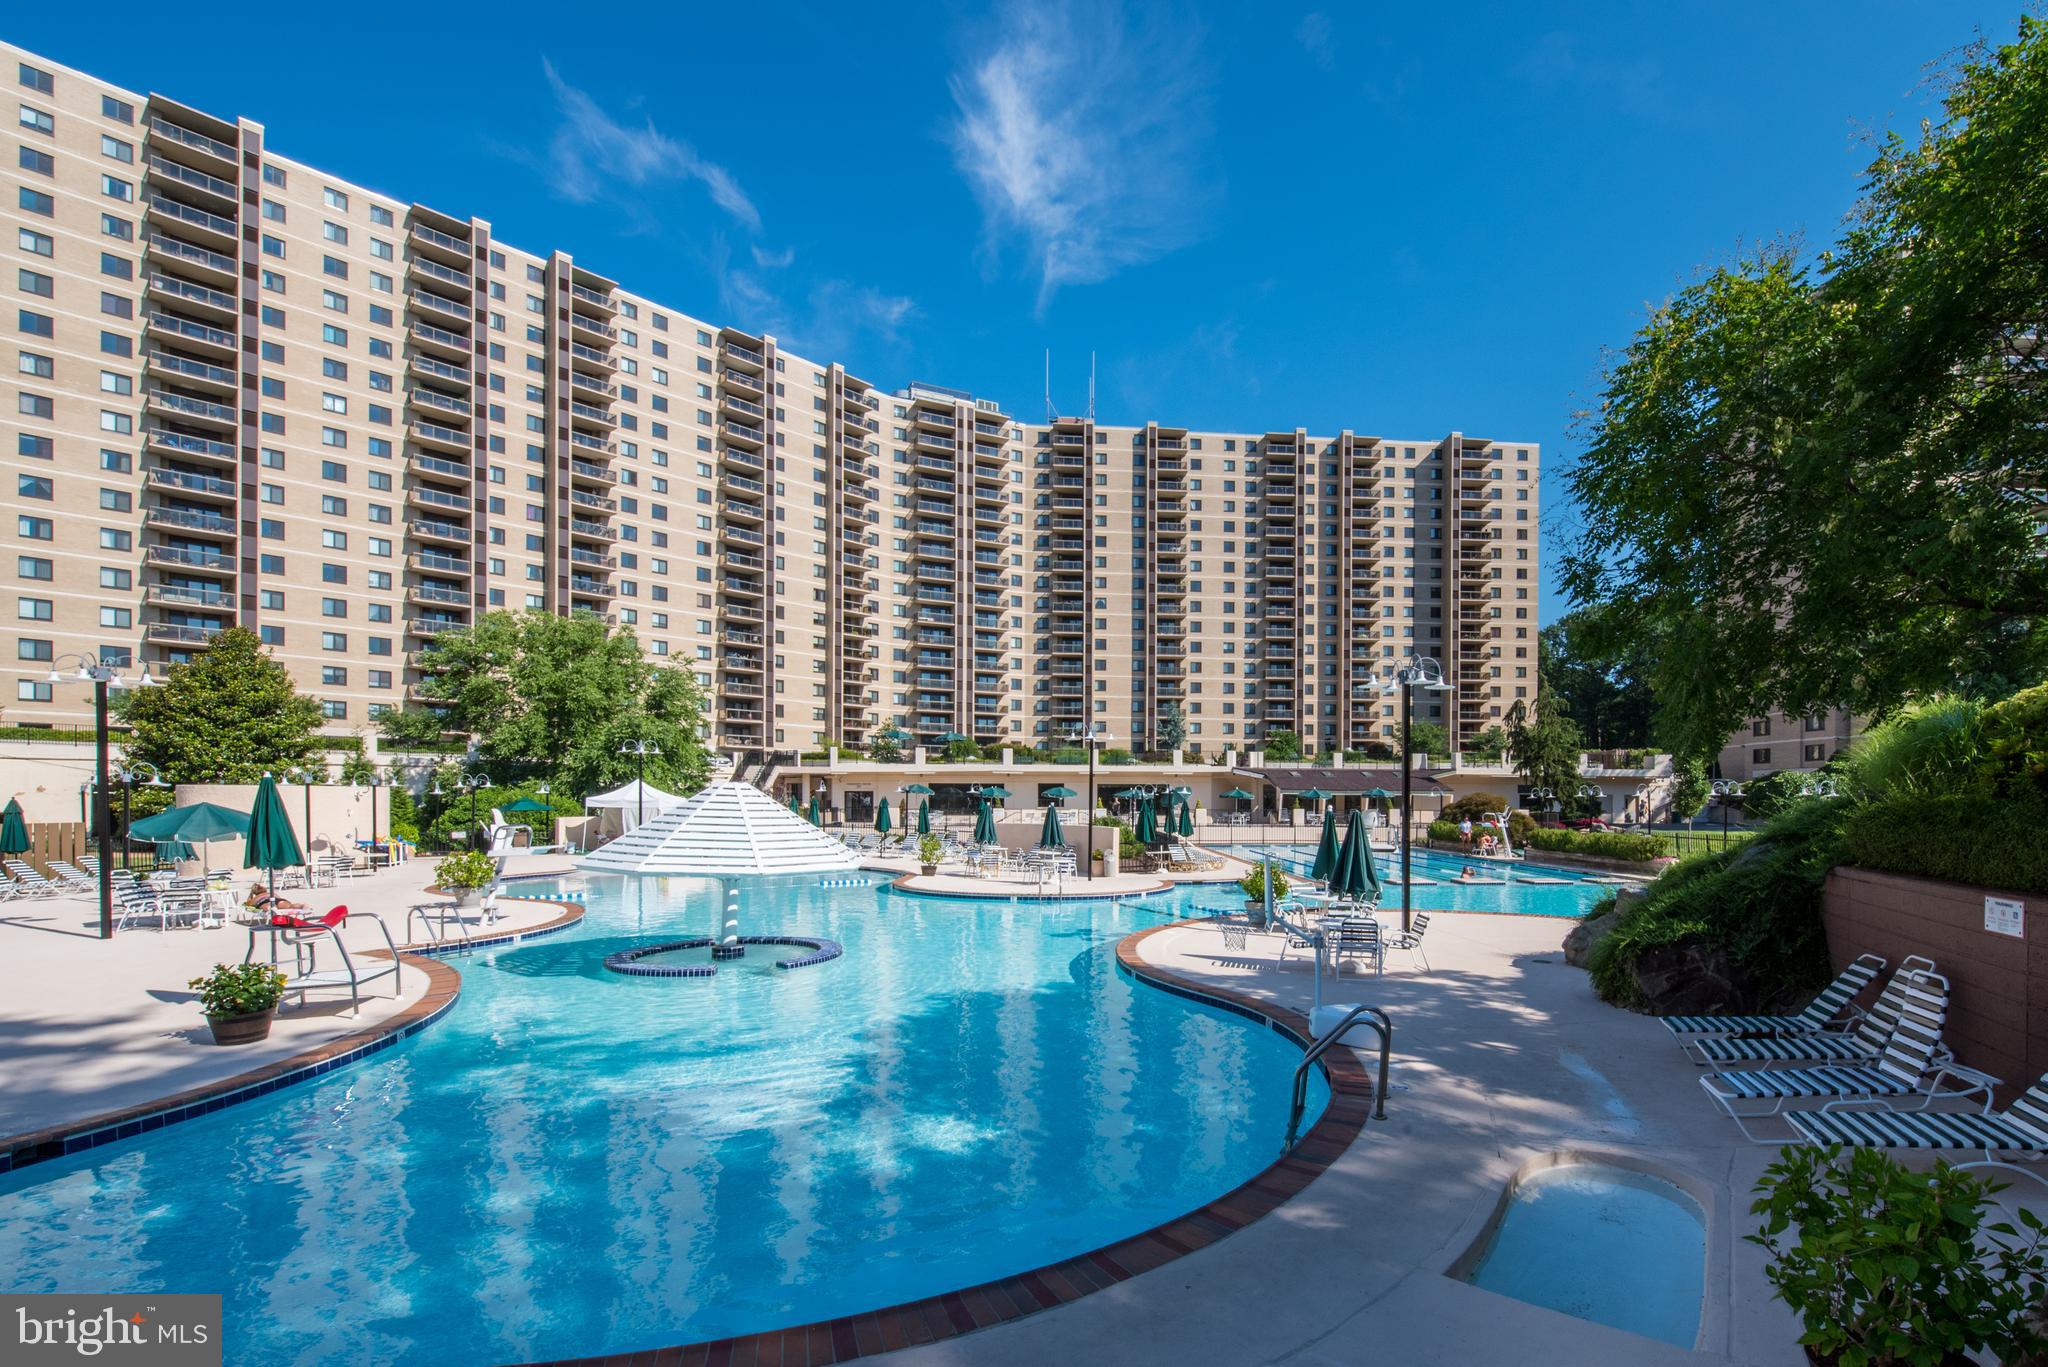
(246, 391)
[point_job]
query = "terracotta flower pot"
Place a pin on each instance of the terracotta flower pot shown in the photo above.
(242, 1029)
(929, 870)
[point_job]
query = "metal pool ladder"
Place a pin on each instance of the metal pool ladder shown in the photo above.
(1328, 1040)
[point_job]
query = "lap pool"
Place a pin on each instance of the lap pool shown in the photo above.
(575, 1161)
(1555, 891)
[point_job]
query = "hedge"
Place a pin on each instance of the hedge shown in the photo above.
(1978, 840)
(1603, 844)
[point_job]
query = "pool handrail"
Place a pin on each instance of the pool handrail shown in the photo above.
(1323, 1043)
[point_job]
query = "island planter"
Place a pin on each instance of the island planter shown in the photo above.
(239, 1002)
(929, 851)
(465, 876)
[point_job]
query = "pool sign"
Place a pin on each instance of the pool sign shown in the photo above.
(2005, 916)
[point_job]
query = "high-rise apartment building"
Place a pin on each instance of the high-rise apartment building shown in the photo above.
(245, 391)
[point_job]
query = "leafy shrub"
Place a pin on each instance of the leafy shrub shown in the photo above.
(1774, 794)
(1974, 838)
(1891, 1266)
(1443, 830)
(1602, 844)
(1118, 757)
(1761, 903)
(2014, 736)
(1928, 748)
(241, 990)
(1253, 884)
(466, 871)
(1472, 807)
(929, 848)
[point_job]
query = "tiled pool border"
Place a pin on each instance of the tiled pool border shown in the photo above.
(444, 986)
(955, 1313)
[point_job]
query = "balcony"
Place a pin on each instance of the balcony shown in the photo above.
(178, 633)
(185, 444)
(218, 304)
(190, 332)
(752, 438)
(600, 300)
(448, 277)
(593, 356)
(427, 496)
(593, 387)
(423, 364)
(437, 437)
(427, 529)
(583, 498)
(591, 413)
(189, 371)
(741, 380)
(434, 401)
(445, 246)
(439, 340)
(189, 596)
(434, 625)
(590, 588)
(595, 474)
(437, 593)
(186, 408)
(591, 331)
(595, 531)
(196, 145)
(162, 171)
(438, 563)
(436, 467)
(197, 485)
(190, 558)
(211, 229)
(743, 357)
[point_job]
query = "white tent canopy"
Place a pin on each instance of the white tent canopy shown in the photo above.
(728, 828)
(631, 800)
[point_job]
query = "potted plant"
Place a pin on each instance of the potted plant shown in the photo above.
(1888, 1267)
(1253, 885)
(928, 851)
(239, 1002)
(466, 875)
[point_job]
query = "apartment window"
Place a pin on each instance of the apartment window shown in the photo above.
(334, 607)
(36, 202)
(41, 244)
(36, 119)
(113, 187)
(34, 324)
(334, 640)
(1760, 755)
(36, 79)
(271, 636)
(114, 344)
(38, 448)
(1760, 727)
(35, 486)
(119, 110)
(334, 266)
(1814, 754)
(334, 676)
(31, 648)
(116, 539)
(119, 619)
(333, 199)
(273, 246)
(381, 216)
(35, 528)
(34, 567)
(115, 227)
(34, 690)
(34, 609)
(111, 578)
(35, 282)
(40, 162)
(119, 267)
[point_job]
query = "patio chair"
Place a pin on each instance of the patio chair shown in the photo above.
(136, 900)
(29, 883)
(2020, 1129)
(1818, 1014)
(1908, 1068)
(1354, 935)
(1411, 940)
(1864, 1042)
(73, 877)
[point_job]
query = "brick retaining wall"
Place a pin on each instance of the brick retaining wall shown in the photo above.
(1998, 1008)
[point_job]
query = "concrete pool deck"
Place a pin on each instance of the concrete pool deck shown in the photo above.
(91, 1026)
(1501, 1055)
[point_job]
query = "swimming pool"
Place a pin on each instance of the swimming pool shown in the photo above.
(1565, 892)
(575, 1162)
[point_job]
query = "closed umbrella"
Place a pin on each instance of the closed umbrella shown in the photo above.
(13, 830)
(1187, 819)
(882, 821)
(796, 804)
(1148, 826)
(924, 817)
(272, 845)
(1326, 850)
(1356, 876)
(985, 825)
(1052, 838)
(817, 816)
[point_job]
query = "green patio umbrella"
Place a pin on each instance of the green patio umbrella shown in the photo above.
(1239, 794)
(13, 830)
(1148, 824)
(1061, 793)
(882, 821)
(1131, 794)
(817, 816)
(526, 804)
(1355, 875)
(995, 792)
(796, 804)
(922, 789)
(985, 825)
(1326, 850)
(196, 821)
(271, 845)
(1187, 819)
(1052, 837)
(174, 851)
(924, 817)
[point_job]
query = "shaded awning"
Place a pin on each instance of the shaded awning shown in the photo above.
(1339, 782)
(728, 828)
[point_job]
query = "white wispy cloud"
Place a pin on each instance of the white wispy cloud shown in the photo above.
(1317, 39)
(592, 151)
(825, 318)
(1081, 129)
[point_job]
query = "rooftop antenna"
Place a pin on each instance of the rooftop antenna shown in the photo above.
(1050, 412)
(1091, 386)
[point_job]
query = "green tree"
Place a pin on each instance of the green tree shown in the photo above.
(357, 768)
(1428, 738)
(229, 716)
(1816, 482)
(1173, 726)
(1544, 746)
(1282, 745)
(545, 695)
(1607, 695)
(1488, 745)
(1690, 789)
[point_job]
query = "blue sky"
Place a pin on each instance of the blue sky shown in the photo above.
(1399, 222)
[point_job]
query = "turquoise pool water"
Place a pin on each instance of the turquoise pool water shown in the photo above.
(1604, 1244)
(1571, 892)
(575, 1162)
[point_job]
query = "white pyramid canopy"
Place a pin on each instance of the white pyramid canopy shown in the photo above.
(728, 828)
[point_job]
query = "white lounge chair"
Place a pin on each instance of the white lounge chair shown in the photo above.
(73, 877)
(29, 883)
(1909, 1067)
(1864, 1042)
(2021, 1128)
(1819, 1014)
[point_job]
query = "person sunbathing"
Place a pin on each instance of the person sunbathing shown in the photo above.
(261, 898)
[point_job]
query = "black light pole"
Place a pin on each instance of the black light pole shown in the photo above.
(127, 775)
(102, 677)
(640, 750)
(1727, 790)
(304, 778)
(1421, 671)
(1091, 736)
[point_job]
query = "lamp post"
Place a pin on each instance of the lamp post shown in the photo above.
(306, 778)
(1427, 673)
(102, 677)
(473, 782)
(640, 750)
(1092, 736)
(1727, 790)
(126, 773)
(376, 782)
